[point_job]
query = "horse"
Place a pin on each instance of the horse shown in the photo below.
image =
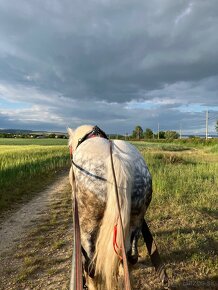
(91, 171)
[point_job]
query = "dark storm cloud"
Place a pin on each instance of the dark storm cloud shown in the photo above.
(67, 57)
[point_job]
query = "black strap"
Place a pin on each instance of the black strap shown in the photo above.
(96, 131)
(88, 265)
(153, 252)
(87, 172)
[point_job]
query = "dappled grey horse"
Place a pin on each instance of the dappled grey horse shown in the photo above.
(98, 212)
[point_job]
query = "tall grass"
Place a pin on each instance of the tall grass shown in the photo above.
(183, 175)
(26, 168)
(183, 179)
(183, 211)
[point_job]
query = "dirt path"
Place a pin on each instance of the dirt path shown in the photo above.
(14, 228)
(36, 241)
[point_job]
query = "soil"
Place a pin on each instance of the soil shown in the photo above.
(13, 229)
(32, 251)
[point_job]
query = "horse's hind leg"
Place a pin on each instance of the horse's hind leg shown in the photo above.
(88, 266)
(90, 283)
(133, 252)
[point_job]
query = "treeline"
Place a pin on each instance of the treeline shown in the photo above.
(138, 134)
(33, 136)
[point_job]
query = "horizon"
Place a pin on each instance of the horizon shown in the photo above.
(21, 131)
(111, 63)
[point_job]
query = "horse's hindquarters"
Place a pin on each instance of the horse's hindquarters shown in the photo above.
(91, 211)
(97, 201)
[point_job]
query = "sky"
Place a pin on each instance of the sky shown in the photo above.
(115, 64)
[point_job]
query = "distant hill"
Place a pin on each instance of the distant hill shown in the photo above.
(21, 132)
(15, 131)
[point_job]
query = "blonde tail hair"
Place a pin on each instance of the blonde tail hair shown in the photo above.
(105, 258)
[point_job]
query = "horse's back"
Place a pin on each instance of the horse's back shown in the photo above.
(91, 168)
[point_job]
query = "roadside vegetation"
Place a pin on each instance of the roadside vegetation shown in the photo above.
(26, 165)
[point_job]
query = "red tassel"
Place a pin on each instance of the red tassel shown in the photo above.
(115, 242)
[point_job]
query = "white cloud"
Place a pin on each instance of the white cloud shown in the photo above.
(185, 13)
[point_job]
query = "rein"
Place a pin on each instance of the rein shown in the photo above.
(76, 281)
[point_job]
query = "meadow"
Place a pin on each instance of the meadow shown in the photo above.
(182, 215)
(26, 165)
(183, 212)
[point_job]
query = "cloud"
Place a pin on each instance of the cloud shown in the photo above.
(185, 13)
(117, 63)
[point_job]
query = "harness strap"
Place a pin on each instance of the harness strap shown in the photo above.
(153, 253)
(76, 282)
(125, 263)
(95, 132)
(87, 172)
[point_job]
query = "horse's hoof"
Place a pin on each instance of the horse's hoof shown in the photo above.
(133, 259)
(164, 278)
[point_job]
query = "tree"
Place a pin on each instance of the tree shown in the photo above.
(162, 135)
(138, 132)
(171, 135)
(148, 133)
(216, 126)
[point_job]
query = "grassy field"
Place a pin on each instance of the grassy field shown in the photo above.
(23, 141)
(182, 216)
(183, 213)
(27, 164)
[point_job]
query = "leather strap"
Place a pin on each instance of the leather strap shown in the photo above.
(125, 263)
(76, 282)
(153, 252)
(95, 132)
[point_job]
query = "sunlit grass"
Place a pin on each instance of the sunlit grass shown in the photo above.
(182, 217)
(25, 168)
(30, 141)
(183, 211)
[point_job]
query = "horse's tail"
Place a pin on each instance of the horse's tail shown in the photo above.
(106, 259)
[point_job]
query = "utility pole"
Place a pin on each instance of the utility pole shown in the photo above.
(206, 125)
(158, 131)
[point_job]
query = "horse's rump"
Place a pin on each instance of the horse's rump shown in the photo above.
(90, 168)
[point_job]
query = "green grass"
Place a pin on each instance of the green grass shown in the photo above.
(213, 149)
(26, 168)
(23, 141)
(183, 211)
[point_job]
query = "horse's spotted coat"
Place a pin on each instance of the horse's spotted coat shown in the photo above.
(93, 191)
